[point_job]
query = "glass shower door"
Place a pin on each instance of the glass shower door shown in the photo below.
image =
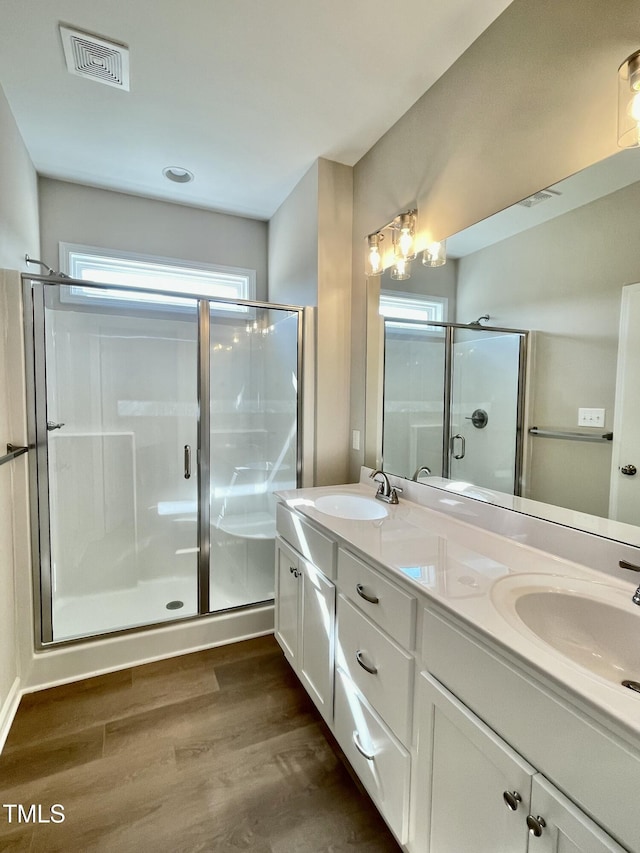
(414, 381)
(485, 407)
(253, 369)
(121, 412)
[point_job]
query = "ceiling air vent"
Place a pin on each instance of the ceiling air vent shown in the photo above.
(538, 198)
(95, 58)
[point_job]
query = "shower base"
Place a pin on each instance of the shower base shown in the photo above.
(145, 603)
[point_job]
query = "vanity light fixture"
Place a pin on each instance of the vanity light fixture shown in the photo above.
(435, 255)
(403, 231)
(629, 102)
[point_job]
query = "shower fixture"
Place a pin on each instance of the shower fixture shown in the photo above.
(49, 270)
(477, 322)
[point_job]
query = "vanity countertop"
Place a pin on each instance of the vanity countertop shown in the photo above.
(472, 573)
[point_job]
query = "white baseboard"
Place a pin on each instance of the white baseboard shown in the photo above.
(8, 711)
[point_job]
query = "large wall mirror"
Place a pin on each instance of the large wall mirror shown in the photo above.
(562, 265)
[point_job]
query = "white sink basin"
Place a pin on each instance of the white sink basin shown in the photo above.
(594, 624)
(351, 506)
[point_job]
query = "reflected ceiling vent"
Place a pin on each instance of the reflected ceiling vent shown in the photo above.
(95, 58)
(538, 198)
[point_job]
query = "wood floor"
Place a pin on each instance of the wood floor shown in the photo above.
(220, 750)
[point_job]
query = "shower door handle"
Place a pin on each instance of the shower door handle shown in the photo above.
(463, 446)
(187, 461)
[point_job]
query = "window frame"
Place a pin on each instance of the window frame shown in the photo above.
(436, 308)
(72, 256)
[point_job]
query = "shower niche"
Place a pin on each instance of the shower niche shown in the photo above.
(162, 425)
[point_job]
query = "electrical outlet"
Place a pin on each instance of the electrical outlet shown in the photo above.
(591, 417)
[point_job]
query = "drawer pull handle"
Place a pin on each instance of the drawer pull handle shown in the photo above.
(372, 599)
(372, 669)
(512, 799)
(535, 825)
(358, 745)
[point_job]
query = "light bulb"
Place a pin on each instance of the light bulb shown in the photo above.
(405, 242)
(374, 258)
(403, 236)
(435, 255)
(401, 269)
(633, 110)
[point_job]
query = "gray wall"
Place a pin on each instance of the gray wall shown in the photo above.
(72, 213)
(310, 264)
(533, 100)
(18, 235)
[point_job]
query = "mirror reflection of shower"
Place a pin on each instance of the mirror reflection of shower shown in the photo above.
(453, 403)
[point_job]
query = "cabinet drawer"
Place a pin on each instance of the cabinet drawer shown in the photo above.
(381, 762)
(384, 602)
(382, 671)
(308, 541)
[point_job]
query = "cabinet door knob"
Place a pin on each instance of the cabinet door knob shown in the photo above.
(535, 825)
(372, 669)
(372, 599)
(512, 799)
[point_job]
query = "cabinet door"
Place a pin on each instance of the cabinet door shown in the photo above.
(468, 775)
(315, 652)
(566, 829)
(287, 597)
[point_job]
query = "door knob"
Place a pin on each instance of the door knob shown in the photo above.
(629, 470)
(51, 425)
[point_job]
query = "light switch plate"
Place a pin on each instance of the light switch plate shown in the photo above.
(591, 417)
(355, 439)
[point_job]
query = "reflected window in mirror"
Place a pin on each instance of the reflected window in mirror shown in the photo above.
(412, 306)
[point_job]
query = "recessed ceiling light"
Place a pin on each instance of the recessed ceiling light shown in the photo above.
(178, 174)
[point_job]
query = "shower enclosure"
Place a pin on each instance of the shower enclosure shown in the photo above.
(454, 402)
(162, 424)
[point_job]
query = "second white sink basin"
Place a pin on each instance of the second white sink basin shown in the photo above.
(595, 625)
(351, 506)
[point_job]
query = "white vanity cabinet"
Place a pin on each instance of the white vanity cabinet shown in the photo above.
(473, 792)
(374, 684)
(305, 609)
(464, 745)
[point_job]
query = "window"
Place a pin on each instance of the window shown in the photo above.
(412, 306)
(160, 274)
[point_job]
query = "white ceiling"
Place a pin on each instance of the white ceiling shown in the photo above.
(246, 94)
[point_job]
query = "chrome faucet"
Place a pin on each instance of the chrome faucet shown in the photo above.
(625, 565)
(386, 492)
(419, 471)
